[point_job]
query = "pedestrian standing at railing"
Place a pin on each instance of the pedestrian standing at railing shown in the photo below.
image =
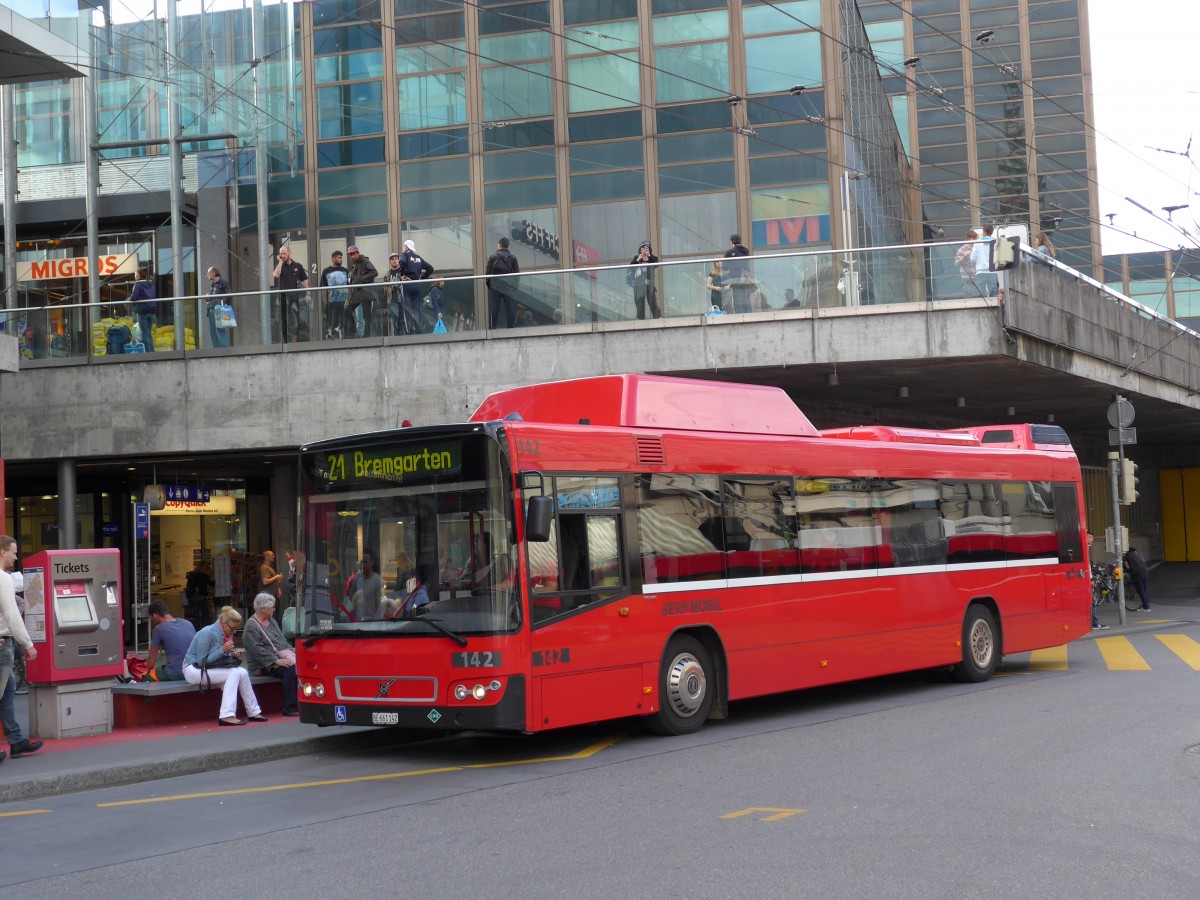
(985, 279)
(218, 289)
(335, 276)
(292, 277)
(144, 300)
(1042, 246)
(502, 291)
(737, 274)
(415, 269)
(394, 278)
(964, 258)
(641, 279)
(362, 273)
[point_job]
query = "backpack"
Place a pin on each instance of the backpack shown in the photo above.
(504, 264)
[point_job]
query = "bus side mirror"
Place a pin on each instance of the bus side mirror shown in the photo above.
(537, 519)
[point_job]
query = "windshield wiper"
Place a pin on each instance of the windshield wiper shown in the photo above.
(437, 624)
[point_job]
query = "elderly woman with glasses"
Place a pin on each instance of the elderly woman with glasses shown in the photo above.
(267, 653)
(212, 659)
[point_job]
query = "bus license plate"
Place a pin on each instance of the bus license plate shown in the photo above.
(392, 718)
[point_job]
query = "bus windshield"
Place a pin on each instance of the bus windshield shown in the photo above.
(404, 529)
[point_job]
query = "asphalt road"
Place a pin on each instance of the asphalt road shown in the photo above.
(1048, 782)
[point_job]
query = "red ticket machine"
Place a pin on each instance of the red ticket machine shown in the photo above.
(73, 615)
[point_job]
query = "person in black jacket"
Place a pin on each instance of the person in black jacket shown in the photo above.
(737, 274)
(642, 281)
(362, 272)
(1139, 572)
(502, 291)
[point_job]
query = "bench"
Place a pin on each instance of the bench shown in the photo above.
(142, 703)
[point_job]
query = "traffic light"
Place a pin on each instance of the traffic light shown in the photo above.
(1129, 482)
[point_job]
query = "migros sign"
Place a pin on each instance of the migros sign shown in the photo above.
(75, 267)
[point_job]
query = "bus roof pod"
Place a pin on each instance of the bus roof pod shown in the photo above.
(652, 401)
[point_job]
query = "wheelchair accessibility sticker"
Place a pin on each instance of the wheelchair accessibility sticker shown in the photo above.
(339, 714)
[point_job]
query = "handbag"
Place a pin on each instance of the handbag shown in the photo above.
(223, 316)
(440, 327)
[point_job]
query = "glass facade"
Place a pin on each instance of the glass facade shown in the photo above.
(578, 128)
(994, 112)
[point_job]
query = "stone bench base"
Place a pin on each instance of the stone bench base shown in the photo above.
(143, 703)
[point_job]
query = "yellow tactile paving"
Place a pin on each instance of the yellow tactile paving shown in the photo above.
(1183, 647)
(1119, 655)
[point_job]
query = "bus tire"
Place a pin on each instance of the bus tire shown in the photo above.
(685, 687)
(980, 646)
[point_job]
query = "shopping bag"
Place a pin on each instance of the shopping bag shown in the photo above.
(223, 316)
(440, 327)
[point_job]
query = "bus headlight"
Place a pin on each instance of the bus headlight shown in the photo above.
(308, 689)
(478, 691)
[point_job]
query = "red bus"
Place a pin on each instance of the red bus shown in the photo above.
(658, 547)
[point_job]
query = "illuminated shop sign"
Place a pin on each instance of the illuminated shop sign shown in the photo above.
(75, 267)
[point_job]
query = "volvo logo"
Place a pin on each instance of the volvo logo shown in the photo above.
(384, 687)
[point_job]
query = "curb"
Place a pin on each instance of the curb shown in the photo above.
(139, 771)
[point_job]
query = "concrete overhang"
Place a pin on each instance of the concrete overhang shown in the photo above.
(29, 52)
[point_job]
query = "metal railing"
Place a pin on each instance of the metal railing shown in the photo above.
(468, 307)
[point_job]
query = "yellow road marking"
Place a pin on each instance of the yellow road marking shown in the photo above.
(26, 812)
(1049, 659)
(1119, 655)
(779, 813)
(1183, 647)
(582, 754)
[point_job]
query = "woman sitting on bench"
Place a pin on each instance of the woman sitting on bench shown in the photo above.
(213, 659)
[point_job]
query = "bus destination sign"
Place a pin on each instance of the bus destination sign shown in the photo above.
(405, 462)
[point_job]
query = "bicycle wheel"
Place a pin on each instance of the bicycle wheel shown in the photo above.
(1132, 600)
(18, 675)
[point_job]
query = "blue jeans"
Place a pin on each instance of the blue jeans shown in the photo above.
(412, 309)
(8, 713)
(146, 326)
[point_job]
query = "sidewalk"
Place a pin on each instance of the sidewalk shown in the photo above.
(129, 756)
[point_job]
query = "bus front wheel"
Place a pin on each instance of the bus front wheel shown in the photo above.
(980, 645)
(685, 687)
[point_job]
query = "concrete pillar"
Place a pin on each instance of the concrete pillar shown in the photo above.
(67, 538)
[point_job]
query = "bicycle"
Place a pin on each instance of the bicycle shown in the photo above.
(1104, 587)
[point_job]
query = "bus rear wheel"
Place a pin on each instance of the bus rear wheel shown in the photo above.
(980, 646)
(685, 686)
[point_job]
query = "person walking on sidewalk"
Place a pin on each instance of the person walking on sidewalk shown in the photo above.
(1135, 565)
(213, 659)
(268, 653)
(12, 632)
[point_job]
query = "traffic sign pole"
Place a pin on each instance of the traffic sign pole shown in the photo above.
(1120, 417)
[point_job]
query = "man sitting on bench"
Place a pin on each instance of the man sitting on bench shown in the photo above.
(171, 635)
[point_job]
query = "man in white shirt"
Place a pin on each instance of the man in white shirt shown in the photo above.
(12, 632)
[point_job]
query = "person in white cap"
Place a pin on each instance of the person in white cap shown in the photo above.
(415, 269)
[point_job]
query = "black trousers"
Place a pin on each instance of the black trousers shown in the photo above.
(287, 675)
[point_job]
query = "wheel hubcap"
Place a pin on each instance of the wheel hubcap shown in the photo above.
(686, 685)
(982, 644)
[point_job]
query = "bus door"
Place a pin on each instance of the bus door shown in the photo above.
(1074, 576)
(584, 629)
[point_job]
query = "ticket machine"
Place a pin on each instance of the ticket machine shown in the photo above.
(73, 615)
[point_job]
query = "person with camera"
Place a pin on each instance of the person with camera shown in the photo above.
(641, 279)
